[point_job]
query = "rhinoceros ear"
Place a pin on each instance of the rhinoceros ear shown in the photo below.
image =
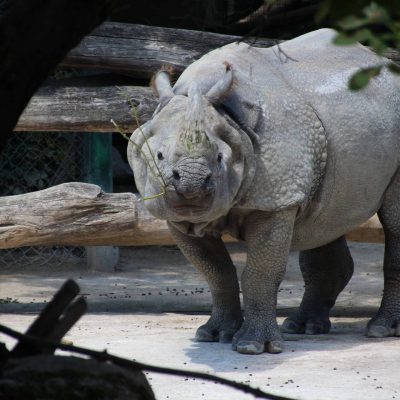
(162, 85)
(219, 91)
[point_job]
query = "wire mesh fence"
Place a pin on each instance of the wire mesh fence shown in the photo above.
(34, 161)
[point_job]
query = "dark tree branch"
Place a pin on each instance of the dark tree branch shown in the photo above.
(276, 14)
(35, 35)
(135, 366)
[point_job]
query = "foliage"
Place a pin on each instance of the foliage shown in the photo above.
(373, 23)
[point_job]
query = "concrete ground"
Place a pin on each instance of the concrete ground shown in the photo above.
(148, 309)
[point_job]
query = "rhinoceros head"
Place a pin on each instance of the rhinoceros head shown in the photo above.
(190, 159)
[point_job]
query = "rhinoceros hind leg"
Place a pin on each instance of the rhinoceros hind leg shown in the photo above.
(387, 321)
(326, 271)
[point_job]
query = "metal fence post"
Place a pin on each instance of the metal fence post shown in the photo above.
(98, 170)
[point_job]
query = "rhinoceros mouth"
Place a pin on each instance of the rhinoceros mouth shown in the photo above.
(189, 208)
(189, 211)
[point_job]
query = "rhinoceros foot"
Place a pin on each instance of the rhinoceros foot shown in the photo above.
(380, 326)
(251, 339)
(218, 330)
(315, 325)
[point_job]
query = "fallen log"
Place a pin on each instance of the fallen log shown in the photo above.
(77, 214)
(81, 214)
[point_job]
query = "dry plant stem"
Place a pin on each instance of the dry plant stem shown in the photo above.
(159, 175)
(135, 116)
(133, 365)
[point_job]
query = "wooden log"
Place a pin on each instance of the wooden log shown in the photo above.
(80, 106)
(77, 214)
(370, 231)
(87, 105)
(81, 214)
(140, 50)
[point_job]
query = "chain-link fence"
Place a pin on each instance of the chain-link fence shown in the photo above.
(34, 161)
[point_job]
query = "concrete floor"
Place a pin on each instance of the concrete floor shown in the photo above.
(135, 312)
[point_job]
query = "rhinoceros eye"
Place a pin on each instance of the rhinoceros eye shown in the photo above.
(219, 158)
(160, 155)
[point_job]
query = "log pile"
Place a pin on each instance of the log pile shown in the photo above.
(132, 50)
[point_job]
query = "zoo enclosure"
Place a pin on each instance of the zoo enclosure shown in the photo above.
(82, 214)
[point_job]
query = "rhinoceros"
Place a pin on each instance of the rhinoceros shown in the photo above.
(270, 146)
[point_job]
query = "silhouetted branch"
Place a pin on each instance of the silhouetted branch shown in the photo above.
(134, 365)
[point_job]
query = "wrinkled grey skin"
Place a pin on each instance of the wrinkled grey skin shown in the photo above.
(286, 158)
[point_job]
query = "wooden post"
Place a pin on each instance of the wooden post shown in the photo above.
(98, 170)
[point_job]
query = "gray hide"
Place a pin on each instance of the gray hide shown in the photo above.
(278, 152)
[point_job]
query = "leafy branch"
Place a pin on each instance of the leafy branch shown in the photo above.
(374, 24)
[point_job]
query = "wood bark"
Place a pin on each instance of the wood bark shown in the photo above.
(81, 214)
(77, 214)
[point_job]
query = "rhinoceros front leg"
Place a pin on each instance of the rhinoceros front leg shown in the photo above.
(268, 238)
(210, 257)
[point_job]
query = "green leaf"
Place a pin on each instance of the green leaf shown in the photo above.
(342, 39)
(395, 68)
(361, 78)
(351, 22)
(377, 43)
(376, 14)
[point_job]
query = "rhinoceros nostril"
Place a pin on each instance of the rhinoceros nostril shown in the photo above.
(176, 175)
(207, 180)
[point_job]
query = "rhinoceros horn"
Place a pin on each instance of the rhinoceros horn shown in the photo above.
(194, 133)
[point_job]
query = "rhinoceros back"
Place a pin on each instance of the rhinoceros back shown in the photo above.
(285, 93)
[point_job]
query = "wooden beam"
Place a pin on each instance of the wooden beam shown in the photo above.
(370, 231)
(81, 214)
(140, 50)
(76, 106)
(87, 104)
(77, 214)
